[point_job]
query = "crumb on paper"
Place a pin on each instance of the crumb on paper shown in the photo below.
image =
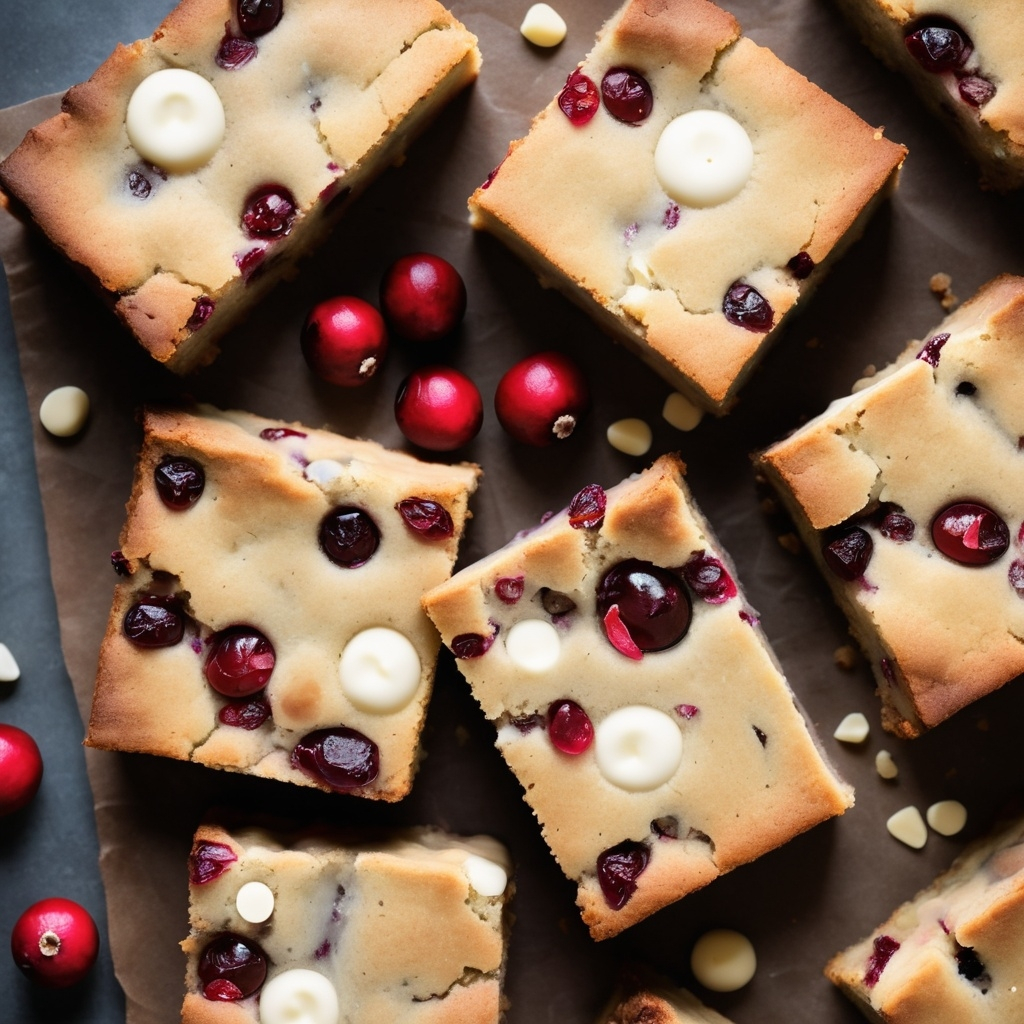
(769, 506)
(941, 286)
(790, 542)
(845, 657)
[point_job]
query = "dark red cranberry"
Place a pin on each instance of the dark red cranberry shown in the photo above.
(618, 869)
(179, 481)
(278, 433)
(569, 727)
(240, 662)
(587, 508)
(709, 579)
(250, 261)
(888, 671)
(970, 534)
(208, 861)
(491, 176)
(154, 621)
(801, 265)
(509, 589)
(139, 185)
(1015, 574)
(200, 314)
(671, 218)
(232, 967)
(235, 52)
(932, 347)
(244, 714)
(341, 757)
(427, 518)
(579, 98)
(348, 536)
(258, 17)
(762, 736)
(121, 564)
(627, 95)
(653, 603)
(975, 91)
(897, 526)
(269, 212)
(746, 307)
(472, 645)
(439, 408)
(884, 947)
(938, 45)
(848, 555)
(422, 297)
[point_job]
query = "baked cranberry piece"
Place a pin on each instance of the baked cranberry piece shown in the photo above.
(120, 564)
(897, 526)
(429, 519)
(208, 861)
(342, 758)
(569, 727)
(970, 534)
(587, 508)
(579, 98)
(938, 44)
(154, 621)
(932, 347)
(472, 645)
(1015, 574)
(235, 52)
(348, 536)
(652, 602)
(204, 308)
(746, 307)
(975, 91)
(884, 947)
(179, 481)
(245, 714)
(708, 578)
(618, 869)
(801, 265)
(509, 589)
(232, 967)
(139, 185)
(258, 17)
(269, 212)
(278, 433)
(848, 555)
(240, 662)
(627, 95)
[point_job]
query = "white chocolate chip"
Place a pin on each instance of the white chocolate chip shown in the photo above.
(324, 471)
(680, 412)
(908, 827)
(533, 645)
(631, 436)
(638, 748)
(543, 26)
(947, 817)
(380, 670)
(885, 765)
(63, 412)
(636, 300)
(175, 119)
(723, 960)
(853, 728)
(299, 996)
(488, 878)
(703, 158)
(254, 902)
(641, 271)
(9, 670)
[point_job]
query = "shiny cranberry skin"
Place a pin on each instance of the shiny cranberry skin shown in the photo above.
(234, 53)
(258, 17)
(240, 662)
(438, 408)
(244, 714)
(208, 861)
(471, 645)
(429, 519)
(849, 554)
(344, 341)
(940, 45)
(269, 212)
(21, 769)
(653, 603)
(341, 757)
(541, 399)
(970, 534)
(55, 942)
(179, 481)
(154, 621)
(931, 349)
(883, 948)
(975, 91)
(348, 536)
(579, 99)
(897, 526)
(801, 265)
(423, 297)
(232, 967)
(509, 589)
(587, 508)
(708, 578)
(627, 95)
(569, 727)
(618, 869)
(744, 306)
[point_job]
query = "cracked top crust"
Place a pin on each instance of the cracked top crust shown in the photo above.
(392, 921)
(247, 553)
(732, 797)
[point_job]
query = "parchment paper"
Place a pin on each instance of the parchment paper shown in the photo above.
(799, 904)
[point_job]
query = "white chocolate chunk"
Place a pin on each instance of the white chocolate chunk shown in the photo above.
(631, 436)
(853, 728)
(63, 412)
(379, 670)
(680, 412)
(175, 119)
(908, 827)
(885, 765)
(254, 902)
(641, 271)
(947, 817)
(533, 645)
(543, 26)
(9, 670)
(723, 960)
(488, 878)
(298, 996)
(638, 748)
(324, 471)
(703, 158)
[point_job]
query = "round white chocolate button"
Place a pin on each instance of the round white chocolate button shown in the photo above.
(543, 26)
(638, 748)
(703, 158)
(299, 996)
(947, 817)
(908, 827)
(723, 960)
(379, 670)
(254, 902)
(324, 471)
(488, 878)
(63, 412)
(175, 119)
(533, 645)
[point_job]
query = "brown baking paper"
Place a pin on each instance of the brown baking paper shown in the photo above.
(799, 904)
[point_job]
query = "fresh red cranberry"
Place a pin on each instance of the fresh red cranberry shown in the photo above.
(269, 212)
(627, 95)
(975, 91)
(179, 481)
(579, 98)
(509, 589)
(897, 526)
(848, 555)
(569, 727)
(348, 536)
(258, 17)
(970, 534)
(21, 769)
(653, 603)
(746, 307)
(232, 967)
(938, 45)
(55, 942)
(235, 52)
(344, 341)
(240, 662)
(139, 185)
(423, 297)
(587, 508)
(438, 408)
(201, 313)
(208, 861)
(884, 947)
(801, 265)
(121, 564)
(472, 645)
(427, 518)
(154, 621)
(1015, 574)
(932, 347)
(341, 757)
(708, 578)
(245, 714)
(541, 399)
(618, 869)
